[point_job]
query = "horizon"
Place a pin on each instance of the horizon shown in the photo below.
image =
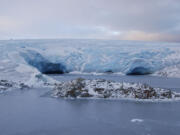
(147, 41)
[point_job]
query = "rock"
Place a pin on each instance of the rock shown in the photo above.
(74, 89)
(5, 85)
(167, 94)
(86, 94)
(177, 95)
(23, 86)
(99, 88)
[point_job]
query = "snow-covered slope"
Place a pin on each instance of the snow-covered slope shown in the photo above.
(25, 59)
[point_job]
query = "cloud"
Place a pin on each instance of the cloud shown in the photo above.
(140, 35)
(109, 19)
(6, 24)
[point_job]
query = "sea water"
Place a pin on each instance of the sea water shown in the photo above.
(34, 112)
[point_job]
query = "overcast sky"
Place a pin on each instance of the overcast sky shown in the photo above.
(156, 20)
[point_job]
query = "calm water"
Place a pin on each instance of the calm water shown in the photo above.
(31, 112)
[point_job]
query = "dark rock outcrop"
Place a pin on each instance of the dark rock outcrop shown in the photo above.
(6, 85)
(108, 89)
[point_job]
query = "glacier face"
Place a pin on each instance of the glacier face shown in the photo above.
(36, 60)
(100, 56)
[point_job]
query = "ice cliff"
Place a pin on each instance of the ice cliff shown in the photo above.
(23, 60)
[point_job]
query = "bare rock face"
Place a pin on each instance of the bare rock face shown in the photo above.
(100, 88)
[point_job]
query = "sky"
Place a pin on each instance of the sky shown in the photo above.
(149, 20)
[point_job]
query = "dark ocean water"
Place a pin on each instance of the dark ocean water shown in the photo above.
(32, 112)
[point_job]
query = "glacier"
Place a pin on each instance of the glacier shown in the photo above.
(23, 60)
(36, 60)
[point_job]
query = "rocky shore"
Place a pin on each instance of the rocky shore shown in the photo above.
(7, 85)
(99, 88)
